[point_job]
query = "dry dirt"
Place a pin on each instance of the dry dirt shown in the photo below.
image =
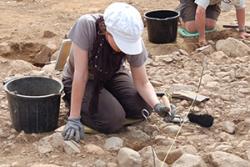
(23, 27)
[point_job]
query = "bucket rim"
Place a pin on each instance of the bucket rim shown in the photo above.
(34, 97)
(161, 10)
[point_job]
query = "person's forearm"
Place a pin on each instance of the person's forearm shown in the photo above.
(78, 89)
(200, 21)
(148, 93)
(240, 15)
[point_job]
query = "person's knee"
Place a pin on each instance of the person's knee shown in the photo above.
(190, 26)
(210, 24)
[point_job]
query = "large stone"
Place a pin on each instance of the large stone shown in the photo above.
(43, 56)
(150, 158)
(128, 157)
(189, 160)
(138, 134)
(94, 149)
(113, 143)
(172, 156)
(233, 47)
(71, 147)
(171, 130)
(223, 159)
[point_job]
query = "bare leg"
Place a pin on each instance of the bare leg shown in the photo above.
(191, 27)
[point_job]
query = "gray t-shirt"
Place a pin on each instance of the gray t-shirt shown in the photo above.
(205, 3)
(83, 34)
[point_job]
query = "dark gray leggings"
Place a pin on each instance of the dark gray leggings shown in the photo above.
(117, 100)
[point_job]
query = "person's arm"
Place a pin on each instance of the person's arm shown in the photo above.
(240, 15)
(79, 80)
(200, 22)
(143, 85)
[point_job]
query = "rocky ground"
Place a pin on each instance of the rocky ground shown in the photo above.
(30, 35)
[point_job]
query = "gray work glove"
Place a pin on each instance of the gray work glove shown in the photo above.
(73, 130)
(164, 111)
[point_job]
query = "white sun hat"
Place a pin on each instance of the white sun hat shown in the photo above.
(124, 23)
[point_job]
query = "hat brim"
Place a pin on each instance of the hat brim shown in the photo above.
(128, 47)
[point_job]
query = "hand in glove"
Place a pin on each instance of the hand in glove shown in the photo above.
(164, 111)
(73, 130)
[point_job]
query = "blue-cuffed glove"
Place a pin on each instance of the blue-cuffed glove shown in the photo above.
(73, 130)
(164, 111)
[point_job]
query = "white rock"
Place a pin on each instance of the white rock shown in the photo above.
(207, 50)
(94, 149)
(183, 52)
(44, 147)
(49, 68)
(189, 160)
(229, 127)
(171, 130)
(71, 147)
(149, 158)
(99, 163)
(113, 143)
(233, 47)
(223, 147)
(223, 159)
(128, 157)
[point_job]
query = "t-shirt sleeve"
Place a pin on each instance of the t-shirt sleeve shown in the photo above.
(138, 60)
(202, 3)
(239, 4)
(81, 32)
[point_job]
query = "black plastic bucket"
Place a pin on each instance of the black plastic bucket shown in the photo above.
(34, 103)
(162, 26)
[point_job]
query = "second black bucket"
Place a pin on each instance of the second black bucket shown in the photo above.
(162, 26)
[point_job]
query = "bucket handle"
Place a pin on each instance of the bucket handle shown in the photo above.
(8, 79)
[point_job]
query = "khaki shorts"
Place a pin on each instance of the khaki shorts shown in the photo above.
(188, 10)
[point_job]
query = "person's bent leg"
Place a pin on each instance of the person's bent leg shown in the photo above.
(210, 24)
(187, 15)
(122, 87)
(212, 14)
(190, 26)
(109, 116)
